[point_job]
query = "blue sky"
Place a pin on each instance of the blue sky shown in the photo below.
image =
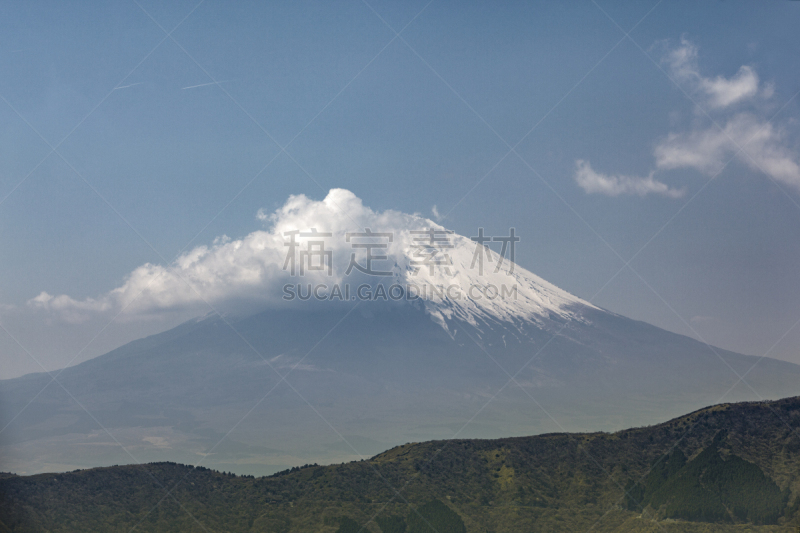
(165, 143)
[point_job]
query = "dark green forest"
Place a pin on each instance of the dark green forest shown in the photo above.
(723, 468)
(710, 488)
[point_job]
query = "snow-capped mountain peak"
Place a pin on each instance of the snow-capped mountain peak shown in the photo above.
(467, 281)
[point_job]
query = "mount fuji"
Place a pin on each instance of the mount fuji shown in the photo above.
(294, 382)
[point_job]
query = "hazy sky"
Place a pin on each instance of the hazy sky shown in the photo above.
(675, 148)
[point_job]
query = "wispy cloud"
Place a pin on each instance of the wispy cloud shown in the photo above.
(744, 134)
(718, 92)
(596, 183)
(731, 131)
(764, 149)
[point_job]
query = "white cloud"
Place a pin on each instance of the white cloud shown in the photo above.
(595, 183)
(243, 272)
(732, 132)
(70, 310)
(247, 275)
(752, 139)
(718, 92)
(435, 211)
(764, 149)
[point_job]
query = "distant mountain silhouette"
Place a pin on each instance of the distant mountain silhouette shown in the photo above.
(357, 383)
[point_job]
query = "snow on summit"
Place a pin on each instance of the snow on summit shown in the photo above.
(321, 252)
(471, 293)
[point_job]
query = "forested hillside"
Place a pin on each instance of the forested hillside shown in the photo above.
(718, 469)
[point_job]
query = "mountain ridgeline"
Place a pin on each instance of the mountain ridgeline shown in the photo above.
(722, 468)
(381, 375)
